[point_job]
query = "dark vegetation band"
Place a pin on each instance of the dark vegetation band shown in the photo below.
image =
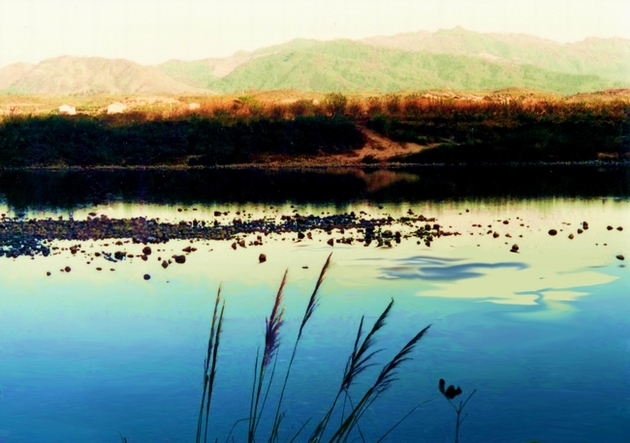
(85, 141)
(458, 131)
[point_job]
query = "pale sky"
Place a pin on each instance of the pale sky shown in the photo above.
(151, 32)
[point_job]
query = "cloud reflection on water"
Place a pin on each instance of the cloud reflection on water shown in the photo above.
(515, 283)
(435, 268)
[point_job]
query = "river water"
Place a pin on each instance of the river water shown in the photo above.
(542, 334)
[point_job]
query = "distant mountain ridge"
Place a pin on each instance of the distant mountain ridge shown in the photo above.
(344, 65)
(608, 58)
(87, 75)
(455, 59)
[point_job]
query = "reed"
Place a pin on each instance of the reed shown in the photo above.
(272, 342)
(310, 308)
(209, 370)
(362, 357)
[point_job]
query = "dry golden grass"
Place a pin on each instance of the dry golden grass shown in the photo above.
(288, 104)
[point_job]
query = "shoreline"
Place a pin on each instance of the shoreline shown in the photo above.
(291, 166)
(31, 237)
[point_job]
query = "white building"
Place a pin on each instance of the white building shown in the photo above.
(116, 108)
(193, 106)
(67, 110)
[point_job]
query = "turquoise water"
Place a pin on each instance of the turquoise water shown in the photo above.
(543, 335)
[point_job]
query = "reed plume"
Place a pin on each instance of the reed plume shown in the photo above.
(313, 302)
(209, 369)
(273, 324)
(359, 360)
(272, 342)
(382, 383)
(388, 373)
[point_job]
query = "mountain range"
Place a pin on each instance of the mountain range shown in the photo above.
(455, 59)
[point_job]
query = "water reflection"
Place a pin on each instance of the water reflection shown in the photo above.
(435, 268)
(24, 190)
(542, 334)
(382, 179)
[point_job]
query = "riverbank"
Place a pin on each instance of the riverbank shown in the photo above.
(334, 132)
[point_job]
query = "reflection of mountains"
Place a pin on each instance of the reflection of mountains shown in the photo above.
(379, 179)
(70, 189)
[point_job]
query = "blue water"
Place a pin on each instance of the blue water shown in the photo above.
(543, 336)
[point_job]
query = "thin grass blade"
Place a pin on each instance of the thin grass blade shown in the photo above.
(388, 373)
(313, 301)
(358, 363)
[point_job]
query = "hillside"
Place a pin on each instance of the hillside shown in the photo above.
(608, 58)
(201, 73)
(454, 59)
(87, 75)
(348, 66)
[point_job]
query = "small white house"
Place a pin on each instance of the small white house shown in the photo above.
(116, 108)
(193, 106)
(67, 110)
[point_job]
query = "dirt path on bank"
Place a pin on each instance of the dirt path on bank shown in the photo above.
(377, 149)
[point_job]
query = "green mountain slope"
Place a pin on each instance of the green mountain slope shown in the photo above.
(454, 59)
(351, 66)
(608, 58)
(200, 73)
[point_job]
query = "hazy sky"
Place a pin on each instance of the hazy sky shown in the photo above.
(152, 32)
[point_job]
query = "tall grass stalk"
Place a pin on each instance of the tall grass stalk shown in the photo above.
(357, 362)
(209, 369)
(272, 342)
(310, 308)
(386, 377)
(360, 359)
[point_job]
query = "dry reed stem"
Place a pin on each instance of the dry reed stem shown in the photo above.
(209, 369)
(310, 308)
